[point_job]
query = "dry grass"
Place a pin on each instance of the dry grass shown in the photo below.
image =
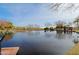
(74, 50)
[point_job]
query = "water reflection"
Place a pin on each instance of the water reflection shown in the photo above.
(39, 42)
(62, 35)
(8, 36)
(76, 39)
(48, 34)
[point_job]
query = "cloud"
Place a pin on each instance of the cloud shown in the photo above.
(21, 14)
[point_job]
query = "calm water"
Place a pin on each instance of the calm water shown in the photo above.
(40, 43)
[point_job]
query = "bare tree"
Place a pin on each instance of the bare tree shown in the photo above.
(60, 22)
(77, 21)
(63, 6)
(48, 24)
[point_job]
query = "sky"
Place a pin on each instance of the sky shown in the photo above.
(22, 14)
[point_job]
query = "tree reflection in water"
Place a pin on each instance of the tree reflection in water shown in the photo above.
(62, 35)
(8, 36)
(59, 35)
(48, 34)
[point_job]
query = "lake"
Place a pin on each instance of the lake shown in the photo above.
(40, 42)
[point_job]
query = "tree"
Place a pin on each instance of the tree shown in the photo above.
(63, 6)
(60, 23)
(77, 21)
(48, 24)
(5, 25)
